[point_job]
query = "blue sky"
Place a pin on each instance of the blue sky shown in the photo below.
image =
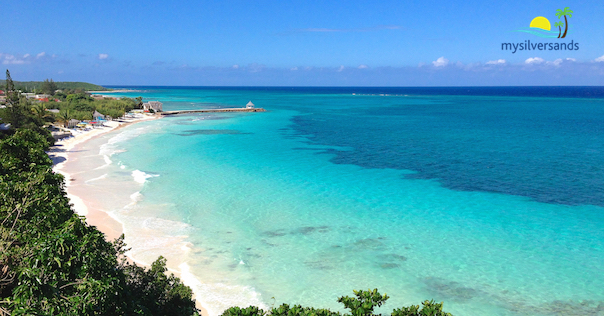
(307, 43)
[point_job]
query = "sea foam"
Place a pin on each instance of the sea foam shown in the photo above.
(217, 297)
(141, 177)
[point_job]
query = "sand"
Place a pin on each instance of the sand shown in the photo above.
(95, 215)
(59, 154)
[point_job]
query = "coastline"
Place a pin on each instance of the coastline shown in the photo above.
(94, 214)
(59, 153)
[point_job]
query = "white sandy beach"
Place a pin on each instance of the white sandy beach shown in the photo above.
(59, 153)
(95, 214)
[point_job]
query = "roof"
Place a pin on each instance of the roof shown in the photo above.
(97, 114)
(250, 103)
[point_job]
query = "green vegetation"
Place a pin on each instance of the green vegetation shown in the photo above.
(362, 304)
(19, 113)
(81, 105)
(38, 86)
(49, 87)
(72, 104)
(51, 261)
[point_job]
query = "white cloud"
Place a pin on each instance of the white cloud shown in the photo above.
(535, 60)
(341, 68)
(600, 59)
(363, 67)
(441, 62)
(8, 59)
(572, 59)
(496, 62)
(40, 55)
(26, 55)
(556, 62)
(294, 69)
(235, 66)
(103, 56)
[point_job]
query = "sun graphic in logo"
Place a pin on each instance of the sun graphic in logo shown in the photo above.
(541, 26)
(541, 23)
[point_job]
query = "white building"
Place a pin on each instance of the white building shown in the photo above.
(153, 106)
(249, 105)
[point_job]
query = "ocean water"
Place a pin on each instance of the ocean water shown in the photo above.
(489, 199)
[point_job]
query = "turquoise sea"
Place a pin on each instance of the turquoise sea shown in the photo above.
(489, 199)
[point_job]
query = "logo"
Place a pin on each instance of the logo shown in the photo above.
(541, 26)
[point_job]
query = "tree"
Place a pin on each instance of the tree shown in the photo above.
(362, 304)
(558, 24)
(39, 111)
(139, 102)
(429, 308)
(64, 117)
(17, 108)
(53, 263)
(565, 12)
(12, 96)
(49, 87)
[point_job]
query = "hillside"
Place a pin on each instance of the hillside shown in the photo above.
(29, 86)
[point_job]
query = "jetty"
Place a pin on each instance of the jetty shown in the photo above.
(246, 109)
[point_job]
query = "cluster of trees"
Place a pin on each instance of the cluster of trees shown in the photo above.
(362, 304)
(38, 86)
(72, 104)
(51, 261)
(80, 106)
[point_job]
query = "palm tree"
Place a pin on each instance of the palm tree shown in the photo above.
(39, 110)
(64, 117)
(565, 12)
(559, 24)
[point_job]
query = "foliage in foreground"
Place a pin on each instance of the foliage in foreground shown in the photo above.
(362, 304)
(53, 263)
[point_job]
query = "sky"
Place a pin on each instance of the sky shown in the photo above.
(299, 42)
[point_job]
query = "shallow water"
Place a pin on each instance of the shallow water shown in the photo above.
(492, 204)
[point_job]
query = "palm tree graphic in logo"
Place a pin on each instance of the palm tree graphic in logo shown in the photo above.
(565, 12)
(559, 25)
(541, 26)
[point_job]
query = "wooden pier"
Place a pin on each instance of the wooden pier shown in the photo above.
(213, 111)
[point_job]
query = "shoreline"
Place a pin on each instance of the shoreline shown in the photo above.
(94, 214)
(113, 91)
(59, 154)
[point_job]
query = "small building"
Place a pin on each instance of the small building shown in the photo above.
(98, 116)
(249, 105)
(153, 106)
(73, 123)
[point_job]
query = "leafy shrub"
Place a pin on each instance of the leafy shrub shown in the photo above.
(362, 304)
